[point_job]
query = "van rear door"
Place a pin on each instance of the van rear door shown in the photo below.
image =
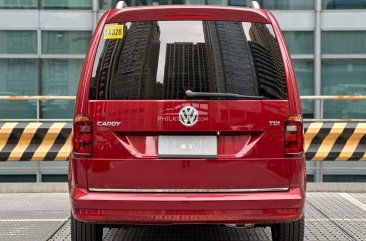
(188, 106)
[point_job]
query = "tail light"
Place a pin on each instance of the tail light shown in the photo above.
(83, 135)
(294, 135)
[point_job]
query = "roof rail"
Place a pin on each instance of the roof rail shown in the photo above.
(254, 4)
(121, 4)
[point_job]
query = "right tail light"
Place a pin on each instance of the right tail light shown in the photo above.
(294, 136)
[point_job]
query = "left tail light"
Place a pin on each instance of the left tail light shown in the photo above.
(294, 135)
(83, 134)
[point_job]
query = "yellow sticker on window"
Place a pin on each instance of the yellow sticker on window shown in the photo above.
(113, 31)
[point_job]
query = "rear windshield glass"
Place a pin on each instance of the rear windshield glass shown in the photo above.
(209, 59)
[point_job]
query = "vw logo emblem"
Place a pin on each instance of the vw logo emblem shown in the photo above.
(188, 116)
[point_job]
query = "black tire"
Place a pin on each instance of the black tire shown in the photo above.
(293, 231)
(85, 231)
(230, 63)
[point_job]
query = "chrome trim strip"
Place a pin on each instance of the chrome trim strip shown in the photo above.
(187, 190)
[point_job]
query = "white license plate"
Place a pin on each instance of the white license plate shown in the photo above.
(187, 146)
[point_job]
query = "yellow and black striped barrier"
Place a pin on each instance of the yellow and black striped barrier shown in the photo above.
(32, 141)
(335, 141)
(51, 141)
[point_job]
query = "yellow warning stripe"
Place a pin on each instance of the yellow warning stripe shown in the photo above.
(24, 141)
(352, 142)
(311, 132)
(5, 132)
(47, 141)
(363, 157)
(329, 141)
(346, 148)
(64, 153)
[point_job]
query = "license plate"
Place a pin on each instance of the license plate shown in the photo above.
(187, 146)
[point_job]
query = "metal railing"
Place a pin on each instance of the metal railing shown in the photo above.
(321, 98)
(38, 100)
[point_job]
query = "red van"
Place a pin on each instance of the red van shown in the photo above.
(187, 115)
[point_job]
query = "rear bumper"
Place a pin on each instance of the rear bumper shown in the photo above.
(187, 208)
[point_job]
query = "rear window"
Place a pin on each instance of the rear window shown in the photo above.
(165, 59)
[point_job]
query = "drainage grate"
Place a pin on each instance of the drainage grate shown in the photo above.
(175, 233)
(335, 206)
(63, 233)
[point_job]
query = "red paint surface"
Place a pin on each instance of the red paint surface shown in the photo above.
(248, 147)
(174, 12)
(168, 208)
